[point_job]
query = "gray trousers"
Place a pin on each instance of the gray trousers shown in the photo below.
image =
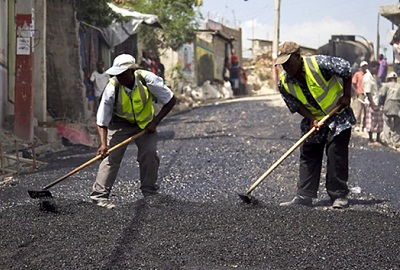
(359, 110)
(391, 130)
(147, 158)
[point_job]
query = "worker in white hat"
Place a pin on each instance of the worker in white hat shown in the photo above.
(125, 109)
(390, 99)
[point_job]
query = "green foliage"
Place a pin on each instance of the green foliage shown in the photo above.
(96, 13)
(179, 19)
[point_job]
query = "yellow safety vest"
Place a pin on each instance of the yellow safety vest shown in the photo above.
(138, 108)
(326, 93)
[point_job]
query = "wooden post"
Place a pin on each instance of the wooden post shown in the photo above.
(16, 155)
(378, 39)
(1, 156)
(23, 107)
(275, 43)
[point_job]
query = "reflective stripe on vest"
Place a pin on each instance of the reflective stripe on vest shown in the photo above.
(138, 109)
(325, 93)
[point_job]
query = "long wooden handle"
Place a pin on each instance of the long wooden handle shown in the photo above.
(84, 165)
(291, 149)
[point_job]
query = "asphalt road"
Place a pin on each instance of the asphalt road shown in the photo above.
(208, 155)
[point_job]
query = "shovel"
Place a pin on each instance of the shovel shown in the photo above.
(246, 197)
(46, 194)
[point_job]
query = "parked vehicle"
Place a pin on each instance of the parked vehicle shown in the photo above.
(350, 48)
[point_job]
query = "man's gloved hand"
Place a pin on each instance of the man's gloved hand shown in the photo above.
(343, 102)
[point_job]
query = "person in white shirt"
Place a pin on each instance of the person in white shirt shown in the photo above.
(99, 79)
(389, 98)
(125, 109)
(373, 113)
(396, 51)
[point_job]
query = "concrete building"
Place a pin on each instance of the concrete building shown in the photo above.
(41, 59)
(262, 46)
(203, 60)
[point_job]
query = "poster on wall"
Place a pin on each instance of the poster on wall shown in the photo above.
(186, 60)
(205, 65)
(23, 46)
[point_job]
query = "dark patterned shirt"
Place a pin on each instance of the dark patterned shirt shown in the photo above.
(329, 66)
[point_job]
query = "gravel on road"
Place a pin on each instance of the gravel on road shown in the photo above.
(208, 155)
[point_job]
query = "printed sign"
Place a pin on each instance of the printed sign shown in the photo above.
(23, 46)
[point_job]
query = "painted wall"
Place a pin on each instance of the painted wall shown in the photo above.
(39, 46)
(66, 93)
(3, 59)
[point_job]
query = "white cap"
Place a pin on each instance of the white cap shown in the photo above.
(392, 75)
(363, 63)
(121, 64)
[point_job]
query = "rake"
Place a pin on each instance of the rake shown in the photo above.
(46, 194)
(247, 198)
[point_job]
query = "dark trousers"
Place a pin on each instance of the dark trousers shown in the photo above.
(337, 167)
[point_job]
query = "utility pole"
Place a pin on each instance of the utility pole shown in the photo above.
(275, 42)
(252, 39)
(378, 40)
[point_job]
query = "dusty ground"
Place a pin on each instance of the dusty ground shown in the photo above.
(208, 155)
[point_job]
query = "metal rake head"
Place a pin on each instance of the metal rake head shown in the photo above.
(246, 198)
(40, 194)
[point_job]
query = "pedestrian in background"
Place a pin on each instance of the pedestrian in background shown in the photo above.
(389, 98)
(89, 89)
(146, 61)
(161, 68)
(226, 74)
(396, 51)
(311, 87)
(358, 96)
(99, 79)
(235, 77)
(243, 81)
(373, 113)
(126, 108)
(383, 68)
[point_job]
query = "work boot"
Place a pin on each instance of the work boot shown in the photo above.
(340, 203)
(298, 200)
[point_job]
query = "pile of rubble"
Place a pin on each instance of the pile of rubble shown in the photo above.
(259, 81)
(259, 70)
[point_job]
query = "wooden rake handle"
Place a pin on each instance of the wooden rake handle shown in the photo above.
(84, 165)
(291, 149)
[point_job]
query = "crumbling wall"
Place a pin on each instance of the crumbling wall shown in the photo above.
(65, 89)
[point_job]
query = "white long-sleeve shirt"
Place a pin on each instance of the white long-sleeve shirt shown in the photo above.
(154, 83)
(370, 86)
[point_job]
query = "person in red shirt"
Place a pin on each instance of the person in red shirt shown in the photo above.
(357, 101)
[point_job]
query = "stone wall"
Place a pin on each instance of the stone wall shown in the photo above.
(65, 89)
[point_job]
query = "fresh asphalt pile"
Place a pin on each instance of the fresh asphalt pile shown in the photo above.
(208, 155)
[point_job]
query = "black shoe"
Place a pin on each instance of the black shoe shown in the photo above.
(298, 200)
(149, 194)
